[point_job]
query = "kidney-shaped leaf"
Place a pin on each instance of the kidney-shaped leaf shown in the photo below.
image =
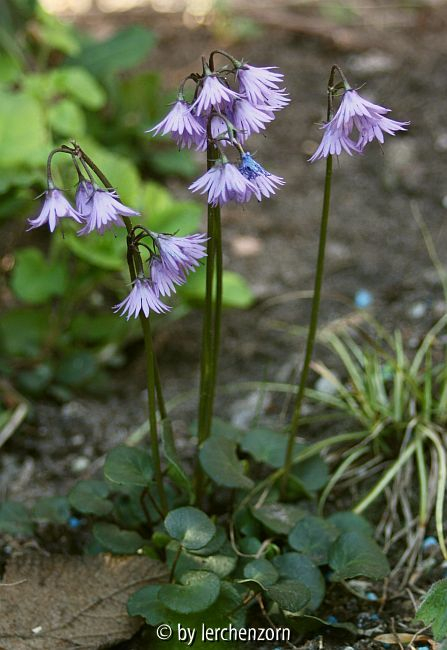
(128, 466)
(354, 554)
(433, 610)
(118, 541)
(290, 595)
(313, 536)
(89, 497)
(297, 566)
(190, 526)
(261, 571)
(197, 591)
(218, 459)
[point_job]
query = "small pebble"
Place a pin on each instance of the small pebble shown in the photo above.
(371, 596)
(363, 298)
(429, 542)
(331, 619)
(418, 310)
(74, 522)
(80, 464)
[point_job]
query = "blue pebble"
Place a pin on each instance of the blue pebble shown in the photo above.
(363, 298)
(423, 647)
(371, 596)
(374, 617)
(429, 542)
(74, 522)
(331, 619)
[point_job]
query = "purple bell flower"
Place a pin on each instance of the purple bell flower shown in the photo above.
(249, 118)
(259, 84)
(264, 182)
(213, 94)
(182, 124)
(224, 182)
(164, 277)
(84, 192)
(103, 210)
(180, 255)
(356, 114)
(142, 297)
(55, 207)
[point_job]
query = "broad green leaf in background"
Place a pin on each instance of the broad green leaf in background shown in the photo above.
(122, 51)
(116, 540)
(197, 591)
(15, 519)
(218, 459)
(433, 609)
(347, 522)
(190, 526)
(222, 563)
(55, 510)
(66, 118)
(162, 213)
(76, 368)
(90, 497)
(80, 85)
(236, 292)
(128, 466)
(23, 138)
(354, 554)
(23, 331)
(106, 251)
(35, 279)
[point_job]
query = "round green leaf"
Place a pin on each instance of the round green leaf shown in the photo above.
(265, 446)
(348, 522)
(354, 554)
(89, 497)
(197, 591)
(116, 540)
(128, 466)
(261, 571)
(190, 526)
(145, 603)
(278, 517)
(79, 84)
(15, 519)
(218, 459)
(313, 536)
(297, 566)
(290, 595)
(222, 563)
(53, 509)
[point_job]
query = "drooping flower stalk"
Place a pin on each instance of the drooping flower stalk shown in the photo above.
(354, 113)
(152, 375)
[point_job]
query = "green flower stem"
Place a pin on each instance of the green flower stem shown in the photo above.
(386, 478)
(211, 324)
(312, 325)
(155, 450)
(153, 378)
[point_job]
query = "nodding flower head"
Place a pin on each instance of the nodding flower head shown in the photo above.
(84, 192)
(224, 182)
(103, 210)
(263, 181)
(356, 114)
(249, 118)
(213, 94)
(259, 85)
(164, 276)
(55, 207)
(142, 298)
(180, 255)
(182, 123)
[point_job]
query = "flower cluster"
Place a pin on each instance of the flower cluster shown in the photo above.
(226, 115)
(169, 263)
(97, 209)
(355, 114)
